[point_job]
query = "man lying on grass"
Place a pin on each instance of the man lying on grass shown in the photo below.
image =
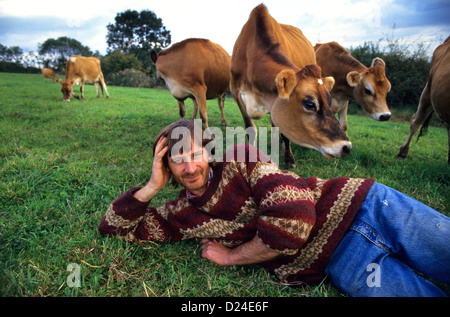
(364, 236)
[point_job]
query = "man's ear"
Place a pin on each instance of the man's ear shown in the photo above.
(286, 82)
(353, 78)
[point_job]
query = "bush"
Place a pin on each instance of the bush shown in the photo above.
(131, 78)
(10, 67)
(117, 61)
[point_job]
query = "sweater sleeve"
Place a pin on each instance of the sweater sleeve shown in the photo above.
(286, 205)
(134, 220)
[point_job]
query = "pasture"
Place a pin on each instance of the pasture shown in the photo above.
(62, 164)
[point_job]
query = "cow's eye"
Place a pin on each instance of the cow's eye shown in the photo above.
(368, 91)
(310, 105)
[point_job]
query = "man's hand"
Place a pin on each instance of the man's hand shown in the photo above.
(160, 174)
(216, 252)
(251, 252)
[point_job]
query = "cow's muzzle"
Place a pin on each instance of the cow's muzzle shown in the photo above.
(339, 149)
(381, 116)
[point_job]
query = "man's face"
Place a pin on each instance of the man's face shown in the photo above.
(191, 169)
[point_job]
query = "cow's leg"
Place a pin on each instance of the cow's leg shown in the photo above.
(103, 85)
(194, 109)
(289, 160)
(74, 94)
(82, 89)
(448, 138)
(96, 89)
(342, 115)
(181, 108)
(221, 101)
(423, 111)
(200, 99)
(250, 127)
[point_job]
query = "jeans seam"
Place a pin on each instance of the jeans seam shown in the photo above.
(371, 236)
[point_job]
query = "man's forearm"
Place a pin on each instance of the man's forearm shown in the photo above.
(146, 193)
(251, 252)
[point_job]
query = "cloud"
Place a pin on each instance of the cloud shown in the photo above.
(418, 13)
(29, 32)
(350, 22)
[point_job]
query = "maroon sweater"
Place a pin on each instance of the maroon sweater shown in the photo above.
(302, 219)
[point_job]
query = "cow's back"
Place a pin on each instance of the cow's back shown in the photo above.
(262, 37)
(196, 61)
(336, 61)
(297, 47)
(440, 81)
(87, 68)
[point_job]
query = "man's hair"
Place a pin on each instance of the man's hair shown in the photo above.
(175, 133)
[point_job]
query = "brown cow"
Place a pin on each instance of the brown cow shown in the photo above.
(81, 70)
(435, 97)
(368, 86)
(49, 73)
(273, 70)
(195, 68)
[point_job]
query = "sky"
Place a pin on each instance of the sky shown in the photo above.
(27, 23)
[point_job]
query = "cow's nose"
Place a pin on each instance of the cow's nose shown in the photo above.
(346, 150)
(381, 116)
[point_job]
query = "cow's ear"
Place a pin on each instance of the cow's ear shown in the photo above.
(328, 82)
(286, 82)
(378, 62)
(353, 78)
(153, 56)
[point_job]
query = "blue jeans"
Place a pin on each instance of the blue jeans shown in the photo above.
(391, 236)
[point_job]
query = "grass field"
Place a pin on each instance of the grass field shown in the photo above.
(62, 164)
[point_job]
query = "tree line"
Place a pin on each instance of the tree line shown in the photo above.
(134, 34)
(130, 39)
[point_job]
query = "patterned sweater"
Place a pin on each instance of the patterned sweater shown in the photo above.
(302, 219)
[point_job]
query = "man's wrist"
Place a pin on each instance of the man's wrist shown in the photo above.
(146, 193)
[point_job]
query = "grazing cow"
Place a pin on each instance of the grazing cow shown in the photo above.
(81, 70)
(368, 86)
(435, 97)
(49, 73)
(273, 70)
(195, 68)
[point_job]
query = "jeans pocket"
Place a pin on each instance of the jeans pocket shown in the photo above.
(369, 233)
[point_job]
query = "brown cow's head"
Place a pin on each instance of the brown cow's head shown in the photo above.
(371, 88)
(67, 90)
(303, 114)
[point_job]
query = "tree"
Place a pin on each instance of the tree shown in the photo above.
(11, 54)
(137, 33)
(57, 51)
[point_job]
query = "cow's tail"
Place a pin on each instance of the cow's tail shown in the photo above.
(102, 82)
(424, 128)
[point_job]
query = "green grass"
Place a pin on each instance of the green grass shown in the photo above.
(62, 164)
